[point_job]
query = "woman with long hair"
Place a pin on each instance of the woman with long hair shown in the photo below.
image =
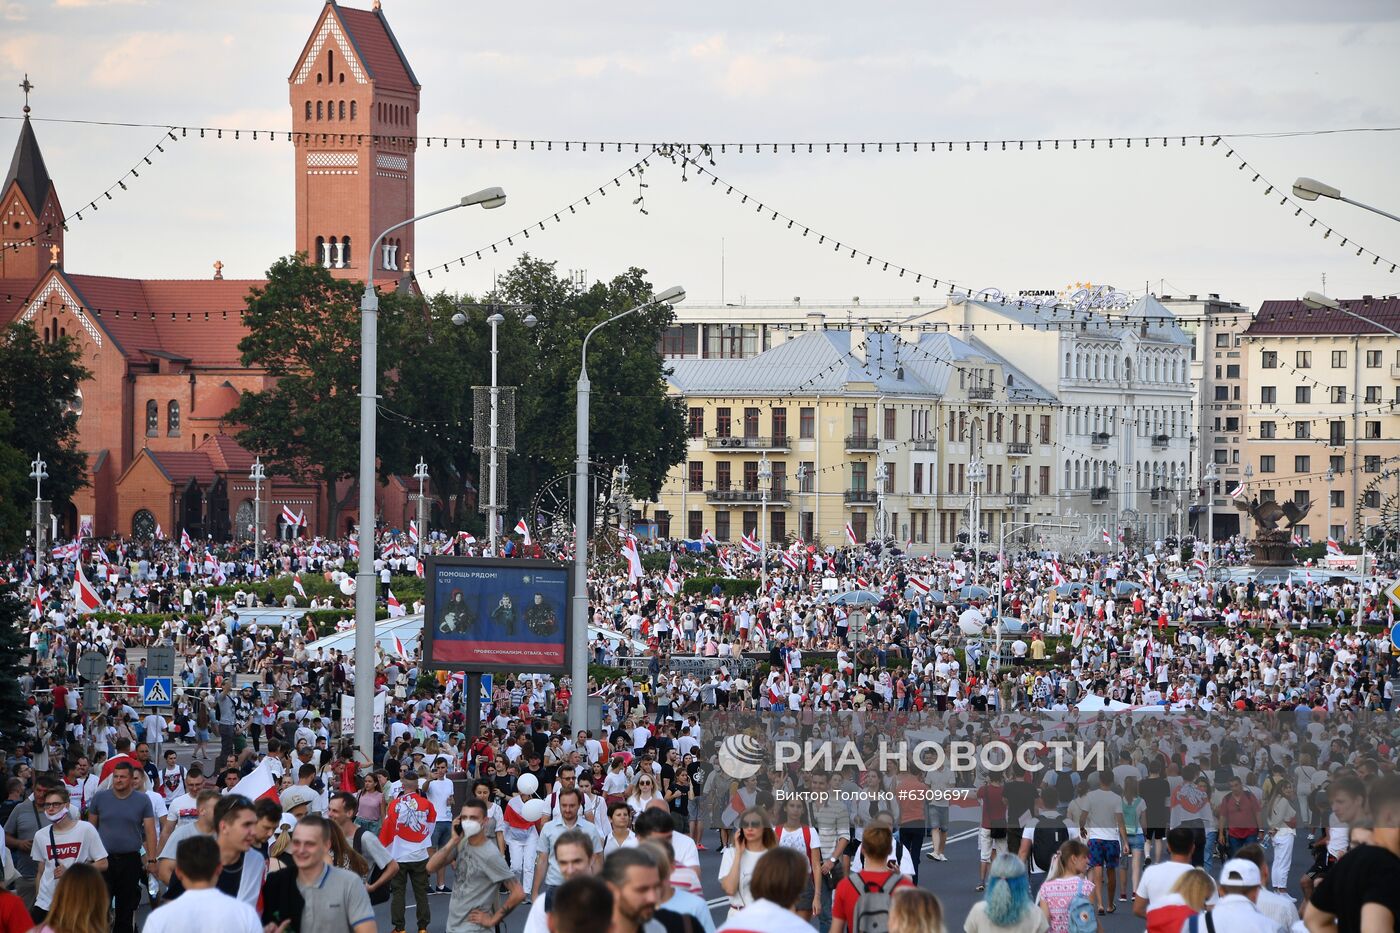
(753, 837)
(1187, 898)
(80, 902)
(343, 854)
(1134, 811)
(1007, 906)
(914, 910)
(644, 790)
(797, 832)
(1281, 814)
(1068, 879)
(369, 803)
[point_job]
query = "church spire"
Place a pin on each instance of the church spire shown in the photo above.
(27, 167)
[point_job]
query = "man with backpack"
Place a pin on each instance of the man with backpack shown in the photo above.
(862, 900)
(382, 867)
(1043, 833)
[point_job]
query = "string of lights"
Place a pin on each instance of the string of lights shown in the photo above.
(772, 147)
(1256, 177)
(120, 184)
(636, 170)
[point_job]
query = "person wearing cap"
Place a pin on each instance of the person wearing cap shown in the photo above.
(1235, 910)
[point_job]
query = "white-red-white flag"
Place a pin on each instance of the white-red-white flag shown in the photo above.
(920, 585)
(186, 544)
(85, 598)
(399, 649)
(413, 531)
(1333, 548)
(257, 784)
(633, 558)
(296, 585)
(749, 543)
(395, 610)
(1106, 538)
(707, 539)
(522, 528)
(851, 535)
(1237, 492)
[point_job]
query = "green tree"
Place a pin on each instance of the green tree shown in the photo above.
(38, 384)
(16, 491)
(12, 664)
(304, 330)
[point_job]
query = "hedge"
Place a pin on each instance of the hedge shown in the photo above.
(661, 560)
(406, 587)
(729, 586)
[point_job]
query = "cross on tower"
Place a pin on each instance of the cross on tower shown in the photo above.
(26, 87)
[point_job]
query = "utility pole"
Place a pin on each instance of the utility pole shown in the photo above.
(38, 472)
(258, 474)
(420, 473)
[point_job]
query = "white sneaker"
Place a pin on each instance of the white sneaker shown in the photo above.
(940, 857)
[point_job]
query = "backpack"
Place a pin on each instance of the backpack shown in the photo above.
(1195, 922)
(379, 895)
(872, 910)
(1046, 841)
(1083, 918)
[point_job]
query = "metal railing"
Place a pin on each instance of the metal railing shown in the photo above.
(757, 442)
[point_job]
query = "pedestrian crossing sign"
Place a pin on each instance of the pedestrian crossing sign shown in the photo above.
(156, 691)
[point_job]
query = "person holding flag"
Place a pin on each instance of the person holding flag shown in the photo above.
(522, 528)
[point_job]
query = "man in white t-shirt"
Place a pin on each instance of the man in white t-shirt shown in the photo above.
(1158, 879)
(438, 790)
(202, 905)
(60, 845)
(1101, 822)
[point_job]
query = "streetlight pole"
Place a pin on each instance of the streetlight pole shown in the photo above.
(492, 504)
(1001, 546)
(802, 491)
(1331, 477)
(976, 472)
(765, 476)
(1210, 516)
(420, 473)
(1309, 189)
(1248, 482)
(258, 474)
(1113, 491)
(38, 472)
(365, 578)
(578, 654)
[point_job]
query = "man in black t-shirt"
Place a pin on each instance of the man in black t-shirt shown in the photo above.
(1359, 893)
(1154, 791)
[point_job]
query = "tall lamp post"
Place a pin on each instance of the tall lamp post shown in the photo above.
(258, 474)
(420, 473)
(765, 477)
(578, 655)
(1310, 189)
(1001, 546)
(1113, 491)
(976, 473)
(38, 472)
(802, 475)
(1331, 477)
(365, 580)
(1248, 481)
(1210, 515)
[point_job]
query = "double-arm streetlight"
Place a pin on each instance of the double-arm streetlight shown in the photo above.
(1310, 189)
(578, 658)
(365, 581)
(38, 472)
(258, 475)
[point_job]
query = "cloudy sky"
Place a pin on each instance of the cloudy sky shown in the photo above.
(1183, 220)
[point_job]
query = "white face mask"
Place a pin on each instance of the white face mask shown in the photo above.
(471, 827)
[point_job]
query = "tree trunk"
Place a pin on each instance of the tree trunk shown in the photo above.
(332, 507)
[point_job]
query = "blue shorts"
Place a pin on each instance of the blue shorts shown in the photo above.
(1104, 852)
(1136, 841)
(442, 833)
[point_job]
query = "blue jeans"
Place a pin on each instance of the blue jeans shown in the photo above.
(1212, 837)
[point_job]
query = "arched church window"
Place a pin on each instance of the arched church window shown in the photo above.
(354, 110)
(308, 110)
(320, 257)
(345, 251)
(340, 115)
(319, 105)
(172, 419)
(152, 419)
(143, 525)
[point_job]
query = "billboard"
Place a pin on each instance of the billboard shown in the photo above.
(491, 614)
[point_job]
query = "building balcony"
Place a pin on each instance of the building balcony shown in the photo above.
(1098, 495)
(980, 393)
(745, 496)
(924, 443)
(1395, 370)
(1018, 498)
(1160, 442)
(1161, 494)
(861, 443)
(860, 496)
(1018, 449)
(775, 442)
(1100, 439)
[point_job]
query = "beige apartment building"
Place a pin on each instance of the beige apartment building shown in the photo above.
(1323, 412)
(864, 427)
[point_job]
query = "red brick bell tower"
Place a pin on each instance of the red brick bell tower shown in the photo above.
(354, 114)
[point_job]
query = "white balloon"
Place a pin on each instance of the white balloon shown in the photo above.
(527, 784)
(535, 809)
(347, 586)
(971, 622)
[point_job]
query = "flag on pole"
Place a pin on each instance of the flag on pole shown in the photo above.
(354, 548)
(1237, 492)
(1200, 564)
(1297, 540)
(289, 517)
(1333, 548)
(675, 568)
(1057, 575)
(258, 784)
(749, 543)
(1150, 656)
(671, 585)
(160, 532)
(633, 558)
(465, 538)
(920, 585)
(399, 648)
(413, 531)
(395, 610)
(1106, 538)
(850, 535)
(789, 559)
(707, 539)
(296, 585)
(40, 595)
(522, 528)
(1079, 630)
(186, 544)
(85, 598)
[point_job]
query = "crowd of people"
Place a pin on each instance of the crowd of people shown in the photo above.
(244, 806)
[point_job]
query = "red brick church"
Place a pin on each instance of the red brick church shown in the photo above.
(164, 352)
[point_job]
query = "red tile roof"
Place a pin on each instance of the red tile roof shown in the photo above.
(1294, 317)
(379, 51)
(226, 454)
(182, 465)
(13, 294)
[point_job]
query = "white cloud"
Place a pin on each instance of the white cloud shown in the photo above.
(143, 57)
